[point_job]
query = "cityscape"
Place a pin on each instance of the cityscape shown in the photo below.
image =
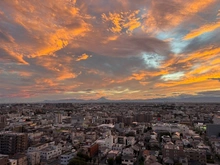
(109, 82)
(110, 133)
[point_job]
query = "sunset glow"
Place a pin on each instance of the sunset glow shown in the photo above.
(118, 49)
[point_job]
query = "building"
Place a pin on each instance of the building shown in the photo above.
(12, 143)
(212, 130)
(4, 160)
(50, 152)
(36, 136)
(216, 119)
(128, 160)
(66, 157)
(128, 151)
(13, 162)
(3, 122)
(58, 118)
(143, 117)
(93, 150)
(172, 151)
(121, 139)
(33, 157)
(151, 160)
(21, 159)
(128, 120)
(38, 147)
(196, 155)
(107, 142)
(130, 140)
(170, 127)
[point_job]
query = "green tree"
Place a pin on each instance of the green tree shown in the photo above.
(118, 159)
(77, 161)
(110, 161)
(83, 156)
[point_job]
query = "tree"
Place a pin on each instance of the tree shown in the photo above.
(110, 161)
(118, 159)
(77, 161)
(141, 160)
(83, 156)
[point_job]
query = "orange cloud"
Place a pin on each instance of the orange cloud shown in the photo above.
(66, 75)
(110, 38)
(215, 61)
(16, 56)
(190, 79)
(147, 74)
(46, 81)
(61, 71)
(204, 54)
(25, 74)
(82, 57)
(50, 27)
(124, 20)
(169, 14)
(202, 30)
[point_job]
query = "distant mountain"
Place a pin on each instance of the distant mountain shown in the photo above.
(102, 99)
(188, 98)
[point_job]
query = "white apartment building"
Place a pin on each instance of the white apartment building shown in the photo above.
(50, 152)
(38, 147)
(171, 127)
(107, 142)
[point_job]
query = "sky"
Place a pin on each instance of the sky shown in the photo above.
(118, 49)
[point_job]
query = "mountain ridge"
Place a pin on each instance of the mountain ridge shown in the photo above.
(168, 99)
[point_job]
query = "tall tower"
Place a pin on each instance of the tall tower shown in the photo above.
(58, 118)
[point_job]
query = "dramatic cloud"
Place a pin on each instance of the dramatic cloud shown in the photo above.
(57, 49)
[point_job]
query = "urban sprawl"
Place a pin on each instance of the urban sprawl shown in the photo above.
(110, 133)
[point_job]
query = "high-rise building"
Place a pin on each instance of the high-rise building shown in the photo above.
(143, 117)
(128, 120)
(213, 130)
(11, 143)
(2, 122)
(58, 118)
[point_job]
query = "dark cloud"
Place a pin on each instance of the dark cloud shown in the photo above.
(4, 37)
(210, 93)
(218, 79)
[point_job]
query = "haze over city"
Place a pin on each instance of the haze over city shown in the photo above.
(88, 49)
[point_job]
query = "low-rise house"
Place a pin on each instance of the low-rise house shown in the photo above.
(112, 154)
(151, 160)
(154, 143)
(50, 152)
(128, 160)
(66, 157)
(128, 151)
(130, 140)
(4, 159)
(13, 162)
(118, 147)
(179, 143)
(33, 157)
(20, 158)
